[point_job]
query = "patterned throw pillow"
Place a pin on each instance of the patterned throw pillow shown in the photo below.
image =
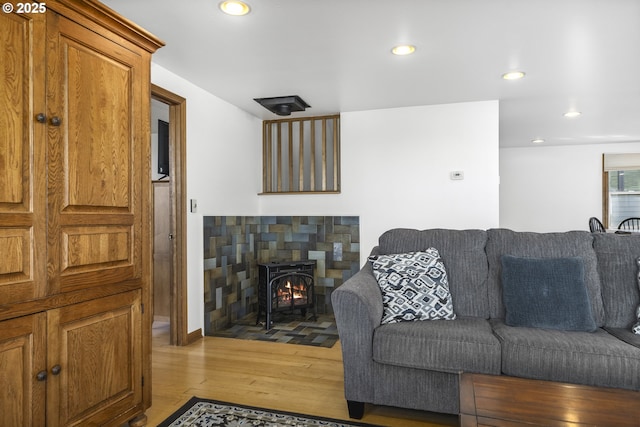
(414, 286)
(636, 328)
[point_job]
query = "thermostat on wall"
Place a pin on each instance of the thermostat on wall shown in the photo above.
(456, 175)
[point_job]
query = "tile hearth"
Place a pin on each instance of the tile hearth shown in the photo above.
(287, 328)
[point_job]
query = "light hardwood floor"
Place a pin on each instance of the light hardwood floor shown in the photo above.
(285, 377)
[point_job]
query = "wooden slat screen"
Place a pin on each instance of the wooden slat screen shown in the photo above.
(301, 155)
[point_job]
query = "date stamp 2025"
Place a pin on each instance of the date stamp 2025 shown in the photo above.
(32, 7)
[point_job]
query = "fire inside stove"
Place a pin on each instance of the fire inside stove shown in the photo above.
(292, 291)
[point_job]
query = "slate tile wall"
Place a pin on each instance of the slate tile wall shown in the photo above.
(234, 245)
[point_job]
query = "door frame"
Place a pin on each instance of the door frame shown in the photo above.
(178, 334)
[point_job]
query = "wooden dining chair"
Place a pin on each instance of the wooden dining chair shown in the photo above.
(630, 224)
(595, 226)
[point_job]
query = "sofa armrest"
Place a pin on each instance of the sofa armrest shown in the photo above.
(357, 305)
(364, 288)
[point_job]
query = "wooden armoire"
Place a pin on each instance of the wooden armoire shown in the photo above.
(75, 224)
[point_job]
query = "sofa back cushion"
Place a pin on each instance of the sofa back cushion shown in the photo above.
(617, 255)
(463, 254)
(542, 245)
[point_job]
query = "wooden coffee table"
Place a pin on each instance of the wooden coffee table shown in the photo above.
(494, 400)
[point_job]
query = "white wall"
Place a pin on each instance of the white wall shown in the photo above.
(395, 171)
(553, 188)
(223, 170)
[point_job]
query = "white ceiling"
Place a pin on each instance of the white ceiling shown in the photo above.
(335, 54)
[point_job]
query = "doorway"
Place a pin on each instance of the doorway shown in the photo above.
(168, 178)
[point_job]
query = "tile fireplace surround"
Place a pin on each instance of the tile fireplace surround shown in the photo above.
(233, 245)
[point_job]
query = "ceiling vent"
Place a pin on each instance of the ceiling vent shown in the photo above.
(283, 105)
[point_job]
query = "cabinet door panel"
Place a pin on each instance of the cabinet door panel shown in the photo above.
(22, 355)
(96, 345)
(95, 173)
(99, 147)
(22, 161)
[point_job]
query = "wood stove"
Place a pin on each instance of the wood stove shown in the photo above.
(285, 287)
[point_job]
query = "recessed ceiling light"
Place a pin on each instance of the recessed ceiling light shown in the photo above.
(235, 8)
(537, 141)
(513, 75)
(405, 49)
(572, 114)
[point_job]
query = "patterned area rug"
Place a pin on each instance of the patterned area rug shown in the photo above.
(287, 328)
(199, 412)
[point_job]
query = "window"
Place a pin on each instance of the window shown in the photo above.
(621, 188)
(301, 155)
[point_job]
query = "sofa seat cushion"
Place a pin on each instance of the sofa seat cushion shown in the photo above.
(591, 358)
(464, 344)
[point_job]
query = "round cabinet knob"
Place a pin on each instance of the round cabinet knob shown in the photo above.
(56, 369)
(55, 121)
(41, 118)
(41, 376)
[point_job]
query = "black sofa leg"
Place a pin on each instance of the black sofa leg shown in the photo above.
(356, 409)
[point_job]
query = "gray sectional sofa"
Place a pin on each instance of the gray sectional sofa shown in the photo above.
(416, 364)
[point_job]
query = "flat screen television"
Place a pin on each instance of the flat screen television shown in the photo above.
(163, 148)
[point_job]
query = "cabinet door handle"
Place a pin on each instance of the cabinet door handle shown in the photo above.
(56, 369)
(55, 121)
(41, 376)
(41, 118)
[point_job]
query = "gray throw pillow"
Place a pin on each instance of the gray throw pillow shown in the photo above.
(414, 286)
(547, 293)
